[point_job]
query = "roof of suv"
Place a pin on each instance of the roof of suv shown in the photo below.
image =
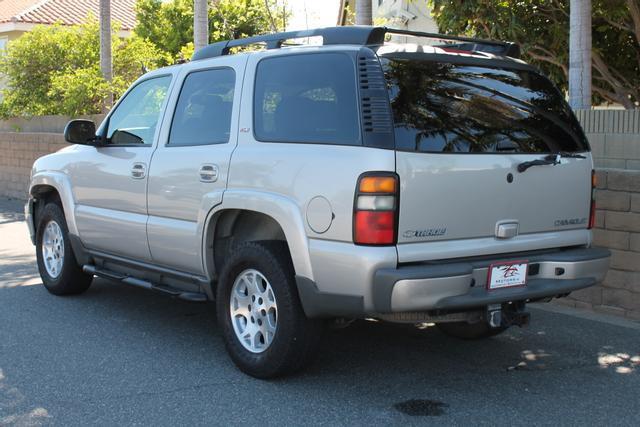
(367, 36)
(459, 49)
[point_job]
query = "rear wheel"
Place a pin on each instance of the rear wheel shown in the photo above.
(263, 325)
(470, 331)
(59, 270)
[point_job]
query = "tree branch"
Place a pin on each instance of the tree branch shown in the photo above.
(552, 10)
(604, 70)
(617, 25)
(634, 12)
(548, 58)
(621, 91)
(274, 27)
(614, 97)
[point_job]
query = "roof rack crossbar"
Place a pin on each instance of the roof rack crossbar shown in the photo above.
(357, 35)
(469, 43)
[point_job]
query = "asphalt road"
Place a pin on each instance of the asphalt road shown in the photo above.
(122, 356)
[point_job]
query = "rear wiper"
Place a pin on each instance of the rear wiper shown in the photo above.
(551, 159)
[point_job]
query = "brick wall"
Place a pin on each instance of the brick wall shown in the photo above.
(615, 139)
(18, 151)
(617, 228)
(614, 136)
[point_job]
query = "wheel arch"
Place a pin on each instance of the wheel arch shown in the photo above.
(52, 186)
(251, 216)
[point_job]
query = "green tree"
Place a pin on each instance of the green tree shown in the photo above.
(541, 27)
(56, 70)
(168, 25)
(228, 19)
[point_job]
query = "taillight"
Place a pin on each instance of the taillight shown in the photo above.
(375, 210)
(592, 211)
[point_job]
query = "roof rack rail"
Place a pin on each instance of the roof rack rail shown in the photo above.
(357, 35)
(469, 44)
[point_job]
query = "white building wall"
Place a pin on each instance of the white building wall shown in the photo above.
(405, 14)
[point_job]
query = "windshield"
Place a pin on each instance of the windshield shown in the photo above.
(444, 107)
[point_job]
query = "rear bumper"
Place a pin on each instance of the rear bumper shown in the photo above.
(462, 285)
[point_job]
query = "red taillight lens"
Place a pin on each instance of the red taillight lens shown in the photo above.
(375, 228)
(375, 209)
(592, 211)
(592, 215)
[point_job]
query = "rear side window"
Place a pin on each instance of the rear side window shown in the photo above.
(307, 98)
(203, 111)
(444, 107)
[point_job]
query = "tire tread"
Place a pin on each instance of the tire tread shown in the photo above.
(72, 280)
(293, 351)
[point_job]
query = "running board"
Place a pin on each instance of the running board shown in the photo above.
(165, 289)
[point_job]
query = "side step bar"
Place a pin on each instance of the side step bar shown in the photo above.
(165, 289)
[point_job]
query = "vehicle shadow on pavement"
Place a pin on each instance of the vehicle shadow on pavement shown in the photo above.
(10, 211)
(129, 341)
(21, 269)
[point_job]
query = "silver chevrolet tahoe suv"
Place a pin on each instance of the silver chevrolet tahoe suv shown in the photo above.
(446, 183)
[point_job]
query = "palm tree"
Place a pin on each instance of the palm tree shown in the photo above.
(105, 46)
(363, 12)
(580, 54)
(200, 24)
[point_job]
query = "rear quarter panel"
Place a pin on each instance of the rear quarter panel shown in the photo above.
(302, 171)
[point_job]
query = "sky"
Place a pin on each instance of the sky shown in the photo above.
(312, 14)
(307, 14)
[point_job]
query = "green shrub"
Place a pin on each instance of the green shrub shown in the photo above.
(55, 70)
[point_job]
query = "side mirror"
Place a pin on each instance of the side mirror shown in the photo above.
(81, 132)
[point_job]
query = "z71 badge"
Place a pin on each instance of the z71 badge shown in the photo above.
(570, 221)
(431, 232)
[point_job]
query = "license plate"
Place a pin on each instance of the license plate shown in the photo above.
(507, 275)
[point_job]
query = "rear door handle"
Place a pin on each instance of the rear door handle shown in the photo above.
(138, 170)
(208, 173)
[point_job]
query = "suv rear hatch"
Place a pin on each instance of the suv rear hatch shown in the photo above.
(461, 132)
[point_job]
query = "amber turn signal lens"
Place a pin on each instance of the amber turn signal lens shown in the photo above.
(378, 184)
(594, 179)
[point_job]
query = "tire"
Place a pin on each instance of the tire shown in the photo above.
(469, 331)
(280, 350)
(59, 269)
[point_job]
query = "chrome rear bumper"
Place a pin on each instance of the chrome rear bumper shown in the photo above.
(462, 285)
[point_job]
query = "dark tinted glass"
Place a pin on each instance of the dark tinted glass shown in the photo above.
(203, 112)
(307, 98)
(443, 107)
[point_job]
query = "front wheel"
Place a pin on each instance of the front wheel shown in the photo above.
(59, 270)
(263, 325)
(470, 331)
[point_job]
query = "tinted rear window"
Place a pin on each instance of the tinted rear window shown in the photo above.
(443, 107)
(307, 98)
(203, 113)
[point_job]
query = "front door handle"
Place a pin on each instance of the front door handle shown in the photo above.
(138, 170)
(208, 173)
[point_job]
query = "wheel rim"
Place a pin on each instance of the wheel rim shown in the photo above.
(53, 249)
(253, 311)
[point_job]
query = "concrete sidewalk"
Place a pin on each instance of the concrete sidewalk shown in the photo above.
(17, 254)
